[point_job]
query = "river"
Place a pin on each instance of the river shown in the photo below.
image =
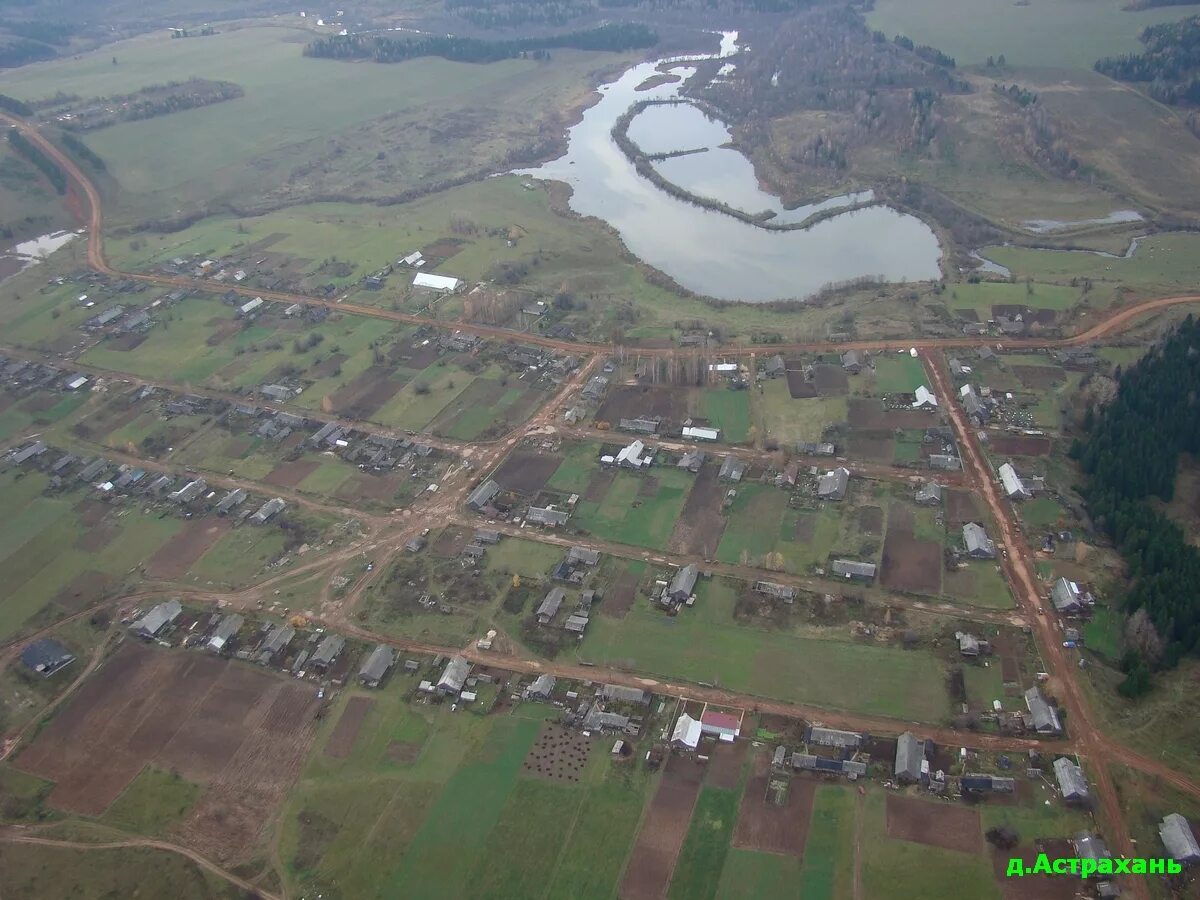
(710, 252)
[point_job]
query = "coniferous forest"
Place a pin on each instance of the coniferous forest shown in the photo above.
(1130, 454)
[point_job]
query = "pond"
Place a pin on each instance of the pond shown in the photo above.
(711, 252)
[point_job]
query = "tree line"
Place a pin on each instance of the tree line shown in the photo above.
(14, 106)
(512, 13)
(612, 36)
(48, 167)
(1170, 63)
(1130, 451)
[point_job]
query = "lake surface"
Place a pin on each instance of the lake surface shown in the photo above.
(710, 252)
(21, 256)
(1048, 226)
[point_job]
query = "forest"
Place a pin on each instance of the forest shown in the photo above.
(613, 36)
(14, 106)
(48, 167)
(147, 103)
(1130, 452)
(1170, 64)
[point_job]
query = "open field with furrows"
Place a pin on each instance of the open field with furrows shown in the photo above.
(61, 551)
(1060, 33)
(805, 663)
(280, 144)
(169, 742)
(32, 873)
(421, 787)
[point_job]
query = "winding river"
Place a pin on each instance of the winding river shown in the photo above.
(710, 252)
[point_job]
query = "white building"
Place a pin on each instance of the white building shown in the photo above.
(925, 399)
(1013, 486)
(442, 283)
(686, 735)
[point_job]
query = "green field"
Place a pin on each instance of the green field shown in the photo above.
(899, 373)
(828, 855)
(702, 857)
(763, 530)
(806, 666)
(629, 515)
(1056, 33)
(455, 815)
(780, 418)
(981, 297)
(153, 802)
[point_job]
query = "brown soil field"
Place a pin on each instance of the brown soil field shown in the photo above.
(380, 488)
(618, 599)
(127, 342)
(443, 248)
(231, 818)
(1039, 377)
(41, 401)
(1020, 445)
(449, 543)
(831, 381)
(634, 402)
(870, 519)
(239, 446)
(866, 412)
(369, 390)
(97, 537)
(960, 507)
(349, 723)
(725, 763)
(415, 358)
(598, 485)
(648, 486)
(911, 565)
(526, 472)
(798, 387)
(223, 329)
(806, 528)
(872, 446)
(558, 754)
(85, 588)
(1033, 887)
(328, 365)
(900, 518)
(184, 549)
(652, 861)
(699, 529)
(762, 825)
(938, 824)
(6, 400)
(405, 752)
(290, 474)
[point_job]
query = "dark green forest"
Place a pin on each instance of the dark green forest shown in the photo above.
(14, 106)
(1170, 64)
(1130, 453)
(615, 37)
(52, 172)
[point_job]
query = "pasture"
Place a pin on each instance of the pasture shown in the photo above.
(1058, 34)
(427, 113)
(803, 664)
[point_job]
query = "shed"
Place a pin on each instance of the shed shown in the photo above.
(854, 570)
(732, 469)
(723, 726)
(697, 433)
(1178, 839)
(46, 656)
(442, 283)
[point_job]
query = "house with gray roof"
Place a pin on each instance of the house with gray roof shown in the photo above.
(910, 754)
(482, 496)
(550, 605)
(599, 720)
(576, 624)
(268, 511)
(542, 688)
(230, 500)
(684, 583)
(548, 516)
(327, 651)
(930, 494)
(639, 426)
(832, 737)
(152, 623)
(691, 460)
(853, 361)
(583, 556)
(854, 570)
(1066, 596)
(944, 461)
(977, 542)
(775, 591)
(833, 484)
(454, 676)
(732, 469)
(1178, 839)
(624, 694)
(1072, 783)
(1043, 716)
(189, 491)
(226, 630)
(96, 467)
(774, 367)
(1013, 486)
(275, 643)
(594, 390)
(377, 665)
(1088, 846)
